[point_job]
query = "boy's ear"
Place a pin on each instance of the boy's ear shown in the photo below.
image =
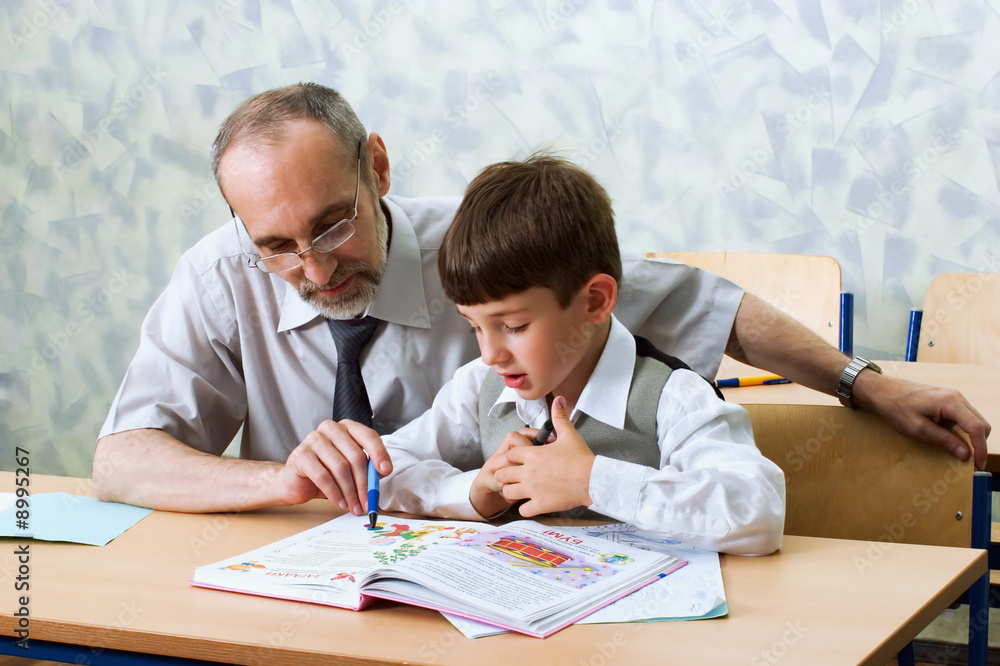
(602, 295)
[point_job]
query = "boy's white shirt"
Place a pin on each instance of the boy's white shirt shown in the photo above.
(714, 488)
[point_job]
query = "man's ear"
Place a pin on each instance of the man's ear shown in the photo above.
(380, 163)
(602, 295)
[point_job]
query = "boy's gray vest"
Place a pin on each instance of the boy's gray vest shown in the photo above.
(635, 443)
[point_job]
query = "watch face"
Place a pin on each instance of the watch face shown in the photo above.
(862, 363)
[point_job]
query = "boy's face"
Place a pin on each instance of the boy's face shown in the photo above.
(536, 345)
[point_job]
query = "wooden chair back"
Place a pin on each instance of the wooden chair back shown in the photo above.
(849, 475)
(806, 287)
(961, 320)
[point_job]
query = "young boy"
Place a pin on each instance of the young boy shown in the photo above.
(532, 261)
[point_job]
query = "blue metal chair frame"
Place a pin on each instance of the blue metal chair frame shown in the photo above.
(982, 501)
(847, 323)
(977, 595)
(913, 334)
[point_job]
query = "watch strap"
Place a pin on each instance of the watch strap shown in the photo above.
(845, 387)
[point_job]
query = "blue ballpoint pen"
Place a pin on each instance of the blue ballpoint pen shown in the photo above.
(373, 479)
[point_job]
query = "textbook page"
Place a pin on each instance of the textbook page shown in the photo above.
(329, 563)
(690, 593)
(522, 574)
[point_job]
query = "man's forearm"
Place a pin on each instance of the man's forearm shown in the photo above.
(150, 468)
(767, 338)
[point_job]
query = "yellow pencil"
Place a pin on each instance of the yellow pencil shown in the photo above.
(751, 381)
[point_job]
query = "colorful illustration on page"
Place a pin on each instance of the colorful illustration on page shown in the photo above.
(555, 565)
(390, 534)
(245, 566)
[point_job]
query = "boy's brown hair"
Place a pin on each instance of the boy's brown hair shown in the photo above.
(543, 222)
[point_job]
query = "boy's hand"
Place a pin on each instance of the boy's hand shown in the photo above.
(554, 477)
(486, 493)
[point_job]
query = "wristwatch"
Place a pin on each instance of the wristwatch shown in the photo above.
(845, 388)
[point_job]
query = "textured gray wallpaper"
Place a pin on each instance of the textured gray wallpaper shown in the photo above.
(864, 130)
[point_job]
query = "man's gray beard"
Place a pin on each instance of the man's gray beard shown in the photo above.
(352, 302)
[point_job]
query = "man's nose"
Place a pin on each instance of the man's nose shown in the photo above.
(318, 266)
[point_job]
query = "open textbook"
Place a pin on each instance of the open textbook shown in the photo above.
(522, 576)
(695, 592)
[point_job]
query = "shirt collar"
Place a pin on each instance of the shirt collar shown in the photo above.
(400, 298)
(605, 397)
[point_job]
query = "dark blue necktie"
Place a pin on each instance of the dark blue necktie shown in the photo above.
(350, 398)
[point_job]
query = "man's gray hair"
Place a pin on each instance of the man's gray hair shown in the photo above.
(261, 120)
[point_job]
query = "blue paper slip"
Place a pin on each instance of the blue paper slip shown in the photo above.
(66, 517)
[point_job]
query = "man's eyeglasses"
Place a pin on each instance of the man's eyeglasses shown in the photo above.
(328, 241)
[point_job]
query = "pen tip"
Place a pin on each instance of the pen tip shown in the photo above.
(372, 518)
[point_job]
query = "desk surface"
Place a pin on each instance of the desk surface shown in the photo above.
(817, 601)
(977, 383)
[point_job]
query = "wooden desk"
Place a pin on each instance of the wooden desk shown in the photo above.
(978, 383)
(818, 601)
